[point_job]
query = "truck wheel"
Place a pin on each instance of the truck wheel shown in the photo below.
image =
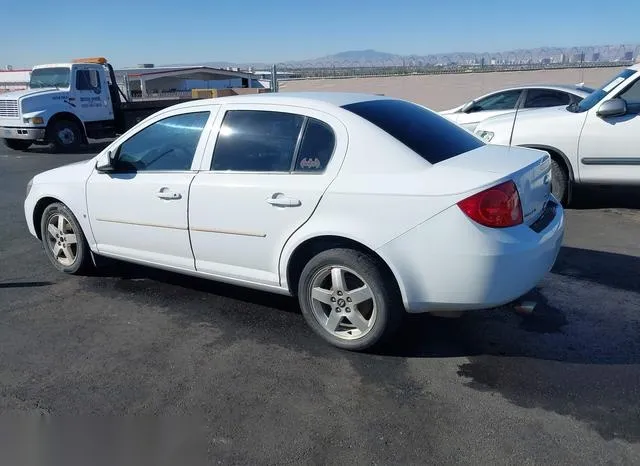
(66, 135)
(17, 144)
(559, 181)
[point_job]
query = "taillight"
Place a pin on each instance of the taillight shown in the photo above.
(497, 207)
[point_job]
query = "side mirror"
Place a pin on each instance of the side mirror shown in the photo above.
(613, 107)
(105, 162)
(470, 107)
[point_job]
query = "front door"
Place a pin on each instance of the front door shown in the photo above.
(610, 146)
(91, 94)
(265, 176)
(489, 106)
(139, 211)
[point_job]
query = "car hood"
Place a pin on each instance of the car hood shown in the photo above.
(523, 116)
(15, 95)
(76, 171)
(451, 110)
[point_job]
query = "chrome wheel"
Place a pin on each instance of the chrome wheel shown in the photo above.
(62, 240)
(342, 302)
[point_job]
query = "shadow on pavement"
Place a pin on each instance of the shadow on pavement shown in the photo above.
(133, 272)
(606, 197)
(500, 332)
(581, 360)
(605, 268)
(24, 284)
(89, 149)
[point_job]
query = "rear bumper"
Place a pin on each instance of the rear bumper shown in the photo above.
(450, 263)
(26, 133)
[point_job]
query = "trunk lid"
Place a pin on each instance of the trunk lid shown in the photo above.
(530, 169)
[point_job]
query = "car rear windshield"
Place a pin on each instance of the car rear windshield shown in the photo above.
(428, 134)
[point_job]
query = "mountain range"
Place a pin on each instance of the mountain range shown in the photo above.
(353, 58)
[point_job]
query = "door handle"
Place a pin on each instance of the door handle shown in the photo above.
(283, 201)
(166, 193)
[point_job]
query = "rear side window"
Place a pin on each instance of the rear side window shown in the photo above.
(501, 101)
(428, 134)
(317, 147)
(257, 141)
(541, 98)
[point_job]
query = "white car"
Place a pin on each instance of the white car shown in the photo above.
(593, 142)
(363, 207)
(470, 114)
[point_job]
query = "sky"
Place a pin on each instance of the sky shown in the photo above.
(129, 32)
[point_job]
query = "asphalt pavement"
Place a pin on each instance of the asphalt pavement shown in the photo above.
(235, 376)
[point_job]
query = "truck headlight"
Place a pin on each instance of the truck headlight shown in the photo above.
(35, 120)
(486, 136)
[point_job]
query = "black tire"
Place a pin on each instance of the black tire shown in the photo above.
(17, 144)
(390, 311)
(559, 182)
(66, 135)
(82, 261)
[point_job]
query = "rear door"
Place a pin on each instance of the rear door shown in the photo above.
(261, 179)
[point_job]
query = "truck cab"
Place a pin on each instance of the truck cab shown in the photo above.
(64, 105)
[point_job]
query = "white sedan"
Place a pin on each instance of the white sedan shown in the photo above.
(363, 207)
(521, 98)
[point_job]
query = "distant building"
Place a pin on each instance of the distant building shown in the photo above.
(14, 80)
(595, 56)
(577, 57)
(147, 80)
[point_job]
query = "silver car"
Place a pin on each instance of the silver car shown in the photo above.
(470, 114)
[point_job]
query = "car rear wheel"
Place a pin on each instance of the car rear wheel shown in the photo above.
(349, 300)
(63, 240)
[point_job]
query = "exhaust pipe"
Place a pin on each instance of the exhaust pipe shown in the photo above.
(524, 307)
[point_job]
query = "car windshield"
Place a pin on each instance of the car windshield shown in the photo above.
(596, 96)
(431, 136)
(50, 77)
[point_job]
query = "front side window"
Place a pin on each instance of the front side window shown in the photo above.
(431, 136)
(50, 77)
(596, 96)
(540, 98)
(88, 80)
(168, 144)
(257, 141)
(501, 101)
(632, 95)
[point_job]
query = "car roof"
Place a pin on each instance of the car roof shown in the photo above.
(305, 99)
(575, 88)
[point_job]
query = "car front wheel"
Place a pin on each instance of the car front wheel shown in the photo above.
(63, 240)
(559, 182)
(349, 300)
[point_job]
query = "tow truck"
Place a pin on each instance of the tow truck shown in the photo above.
(69, 103)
